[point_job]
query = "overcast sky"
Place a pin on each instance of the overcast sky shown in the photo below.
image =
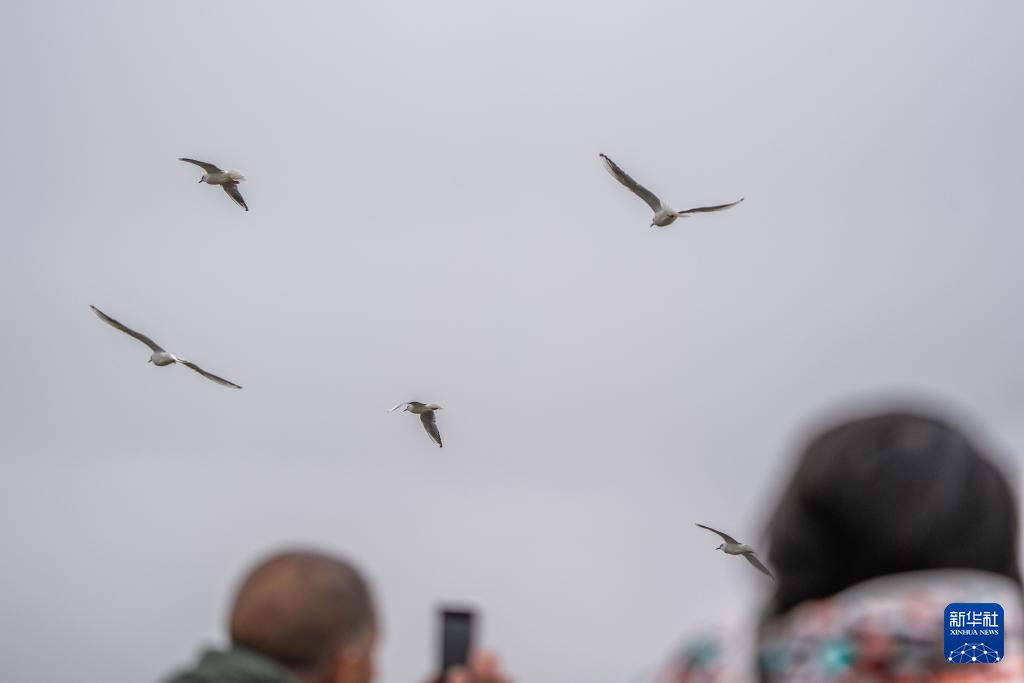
(429, 220)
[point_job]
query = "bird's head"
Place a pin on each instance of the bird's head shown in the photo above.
(652, 224)
(203, 178)
(720, 546)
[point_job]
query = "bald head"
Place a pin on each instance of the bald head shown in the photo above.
(300, 608)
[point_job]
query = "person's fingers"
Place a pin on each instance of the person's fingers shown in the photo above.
(484, 664)
(486, 668)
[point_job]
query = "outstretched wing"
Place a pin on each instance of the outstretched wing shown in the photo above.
(207, 375)
(429, 420)
(209, 168)
(704, 209)
(232, 190)
(634, 187)
(752, 559)
(727, 537)
(127, 330)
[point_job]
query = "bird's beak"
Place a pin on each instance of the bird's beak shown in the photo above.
(150, 360)
(200, 180)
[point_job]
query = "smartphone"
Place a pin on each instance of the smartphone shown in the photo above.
(456, 637)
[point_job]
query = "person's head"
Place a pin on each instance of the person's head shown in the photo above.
(891, 493)
(311, 613)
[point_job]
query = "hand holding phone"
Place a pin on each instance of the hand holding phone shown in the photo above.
(461, 661)
(483, 667)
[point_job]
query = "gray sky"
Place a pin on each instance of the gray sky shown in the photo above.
(430, 221)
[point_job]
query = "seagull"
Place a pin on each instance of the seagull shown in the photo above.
(161, 357)
(734, 547)
(427, 417)
(227, 179)
(664, 215)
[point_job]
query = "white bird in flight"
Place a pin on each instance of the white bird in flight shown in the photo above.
(161, 357)
(427, 417)
(227, 179)
(734, 547)
(664, 214)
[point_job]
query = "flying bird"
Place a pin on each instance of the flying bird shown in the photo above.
(160, 357)
(227, 179)
(734, 547)
(664, 214)
(427, 417)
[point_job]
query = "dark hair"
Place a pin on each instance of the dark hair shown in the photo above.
(886, 494)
